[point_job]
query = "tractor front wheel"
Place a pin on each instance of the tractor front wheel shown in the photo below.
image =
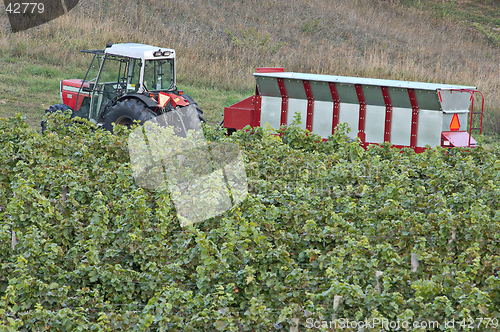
(53, 109)
(125, 112)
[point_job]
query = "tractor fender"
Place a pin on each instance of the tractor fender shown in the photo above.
(189, 99)
(145, 99)
(195, 104)
(150, 103)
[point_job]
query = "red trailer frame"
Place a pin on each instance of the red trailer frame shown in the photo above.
(429, 112)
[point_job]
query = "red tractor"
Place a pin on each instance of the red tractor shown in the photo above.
(128, 82)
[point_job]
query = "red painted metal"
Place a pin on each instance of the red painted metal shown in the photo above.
(310, 105)
(177, 100)
(69, 97)
(458, 139)
(472, 113)
(336, 105)
(257, 111)
(414, 118)
(241, 114)
(284, 102)
(76, 83)
(388, 113)
(270, 70)
(362, 113)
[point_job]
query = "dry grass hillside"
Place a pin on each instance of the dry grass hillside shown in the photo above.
(220, 43)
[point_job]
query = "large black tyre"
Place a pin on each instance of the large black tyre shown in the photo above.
(53, 109)
(200, 114)
(125, 112)
(192, 102)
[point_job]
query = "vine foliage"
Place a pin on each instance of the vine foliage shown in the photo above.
(328, 230)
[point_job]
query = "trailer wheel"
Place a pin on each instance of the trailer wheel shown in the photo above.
(53, 109)
(125, 112)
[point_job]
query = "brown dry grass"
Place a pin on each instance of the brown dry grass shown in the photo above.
(220, 43)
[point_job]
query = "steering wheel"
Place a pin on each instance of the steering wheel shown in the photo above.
(122, 81)
(121, 87)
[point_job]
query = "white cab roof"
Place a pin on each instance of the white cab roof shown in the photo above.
(138, 51)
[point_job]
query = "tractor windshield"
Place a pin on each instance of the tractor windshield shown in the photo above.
(114, 79)
(159, 75)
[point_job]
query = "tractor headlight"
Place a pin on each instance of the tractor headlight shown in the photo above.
(157, 53)
(167, 53)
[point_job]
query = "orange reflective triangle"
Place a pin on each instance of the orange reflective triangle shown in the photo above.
(163, 99)
(455, 124)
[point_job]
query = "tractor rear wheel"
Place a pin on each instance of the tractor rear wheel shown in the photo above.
(192, 102)
(125, 112)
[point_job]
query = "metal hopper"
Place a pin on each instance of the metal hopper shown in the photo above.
(406, 114)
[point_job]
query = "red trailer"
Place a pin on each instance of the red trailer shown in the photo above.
(406, 114)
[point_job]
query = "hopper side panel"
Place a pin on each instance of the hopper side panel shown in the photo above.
(321, 91)
(429, 128)
(375, 123)
(271, 111)
(323, 118)
(294, 89)
(399, 97)
(350, 113)
(428, 100)
(373, 95)
(454, 100)
(268, 86)
(294, 106)
(401, 126)
(347, 94)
